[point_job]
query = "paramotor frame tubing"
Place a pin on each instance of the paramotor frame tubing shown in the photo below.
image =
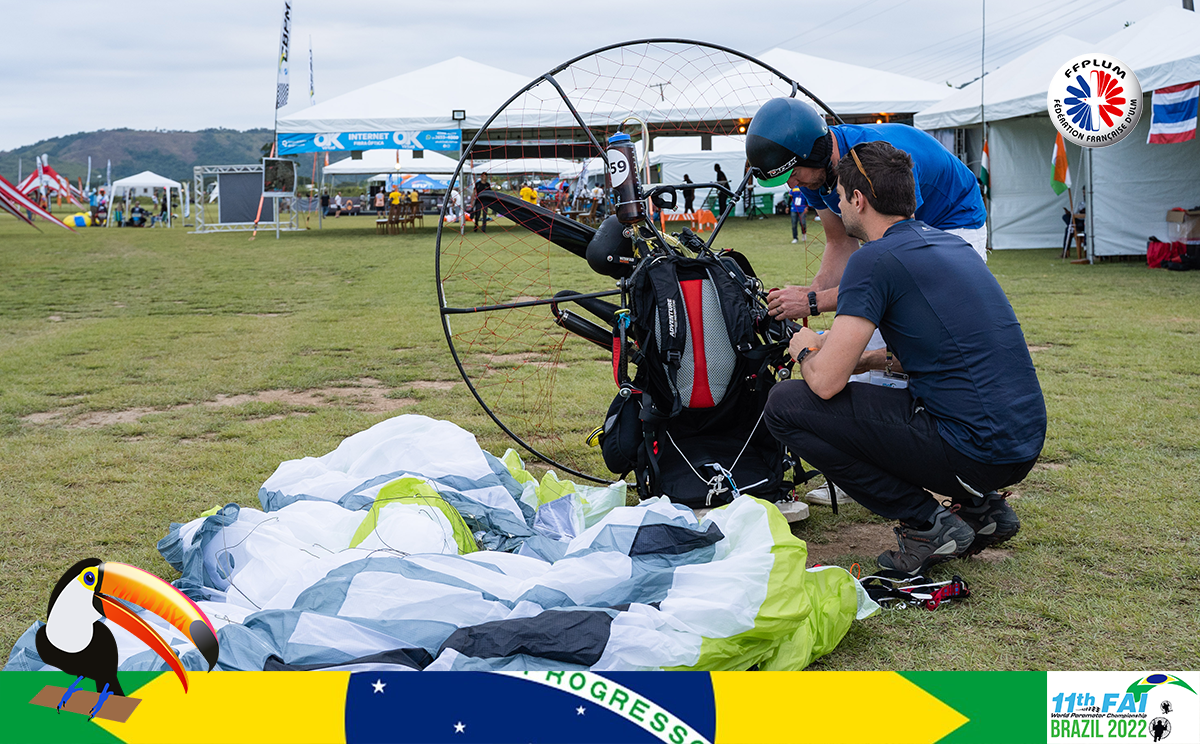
(549, 77)
(525, 303)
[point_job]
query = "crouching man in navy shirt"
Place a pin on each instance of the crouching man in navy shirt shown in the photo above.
(971, 419)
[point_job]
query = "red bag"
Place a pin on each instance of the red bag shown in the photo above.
(1156, 253)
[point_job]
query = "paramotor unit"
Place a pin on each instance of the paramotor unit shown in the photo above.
(548, 308)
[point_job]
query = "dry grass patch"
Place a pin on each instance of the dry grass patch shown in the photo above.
(366, 394)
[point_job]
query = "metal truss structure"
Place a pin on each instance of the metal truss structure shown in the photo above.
(206, 174)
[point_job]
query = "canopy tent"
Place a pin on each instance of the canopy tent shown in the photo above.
(674, 157)
(394, 161)
(846, 88)
(1133, 183)
(594, 166)
(1023, 210)
(1018, 88)
(55, 183)
(423, 181)
(551, 167)
(147, 181)
(423, 99)
(13, 201)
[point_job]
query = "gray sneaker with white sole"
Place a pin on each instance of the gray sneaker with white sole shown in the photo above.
(949, 537)
(993, 520)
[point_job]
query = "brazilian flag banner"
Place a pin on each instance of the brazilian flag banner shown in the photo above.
(650, 707)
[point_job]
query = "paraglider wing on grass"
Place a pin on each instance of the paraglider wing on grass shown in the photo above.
(586, 582)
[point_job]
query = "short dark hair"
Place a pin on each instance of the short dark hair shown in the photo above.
(888, 181)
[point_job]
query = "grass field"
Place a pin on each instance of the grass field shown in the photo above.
(147, 375)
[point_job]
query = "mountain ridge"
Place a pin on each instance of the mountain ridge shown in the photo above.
(168, 153)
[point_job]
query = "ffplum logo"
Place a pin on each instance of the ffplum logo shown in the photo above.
(1095, 100)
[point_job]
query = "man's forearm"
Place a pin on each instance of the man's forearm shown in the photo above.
(877, 359)
(827, 299)
(833, 263)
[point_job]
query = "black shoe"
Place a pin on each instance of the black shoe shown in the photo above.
(993, 520)
(949, 537)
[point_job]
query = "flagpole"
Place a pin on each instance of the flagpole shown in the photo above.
(987, 211)
(281, 93)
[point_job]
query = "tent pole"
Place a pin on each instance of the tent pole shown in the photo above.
(987, 197)
(462, 198)
(1090, 220)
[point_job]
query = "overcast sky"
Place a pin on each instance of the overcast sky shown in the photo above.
(80, 65)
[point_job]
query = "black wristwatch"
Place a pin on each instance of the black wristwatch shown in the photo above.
(813, 311)
(803, 353)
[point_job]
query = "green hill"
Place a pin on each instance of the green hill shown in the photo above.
(170, 154)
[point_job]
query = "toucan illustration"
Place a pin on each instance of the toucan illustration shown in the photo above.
(76, 641)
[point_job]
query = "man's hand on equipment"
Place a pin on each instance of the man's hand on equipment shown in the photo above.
(804, 338)
(789, 303)
(793, 303)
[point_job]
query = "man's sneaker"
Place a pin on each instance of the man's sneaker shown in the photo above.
(795, 241)
(949, 537)
(820, 495)
(993, 520)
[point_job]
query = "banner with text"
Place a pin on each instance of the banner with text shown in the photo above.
(432, 139)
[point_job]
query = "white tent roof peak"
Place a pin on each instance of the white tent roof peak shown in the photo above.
(1163, 48)
(146, 180)
(1017, 88)
(854, 89)
(417, 100)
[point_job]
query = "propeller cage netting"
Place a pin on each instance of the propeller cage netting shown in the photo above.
(536, 380)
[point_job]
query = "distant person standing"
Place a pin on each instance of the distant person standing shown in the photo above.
(799, 207)
(722, 197)
(379, 203)
(394, 199)
(528, 194)
(337, 205)
(325, 203)
(479, 212)
(689, 195)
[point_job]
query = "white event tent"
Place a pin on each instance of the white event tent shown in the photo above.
(1023, 211)
(418, 100)
(673, 157)
(849, 90)
(853, 89)
(409, 162)
(1132, 183)
(146, 182)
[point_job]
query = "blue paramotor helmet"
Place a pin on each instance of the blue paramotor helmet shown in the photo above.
(786, 133)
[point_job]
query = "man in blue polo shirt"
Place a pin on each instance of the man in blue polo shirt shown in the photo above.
(789, 142)
(969, 419)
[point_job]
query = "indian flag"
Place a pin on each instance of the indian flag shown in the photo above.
(984, 164)
(1061, 180)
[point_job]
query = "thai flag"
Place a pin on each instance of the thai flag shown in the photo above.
(1173, 117)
